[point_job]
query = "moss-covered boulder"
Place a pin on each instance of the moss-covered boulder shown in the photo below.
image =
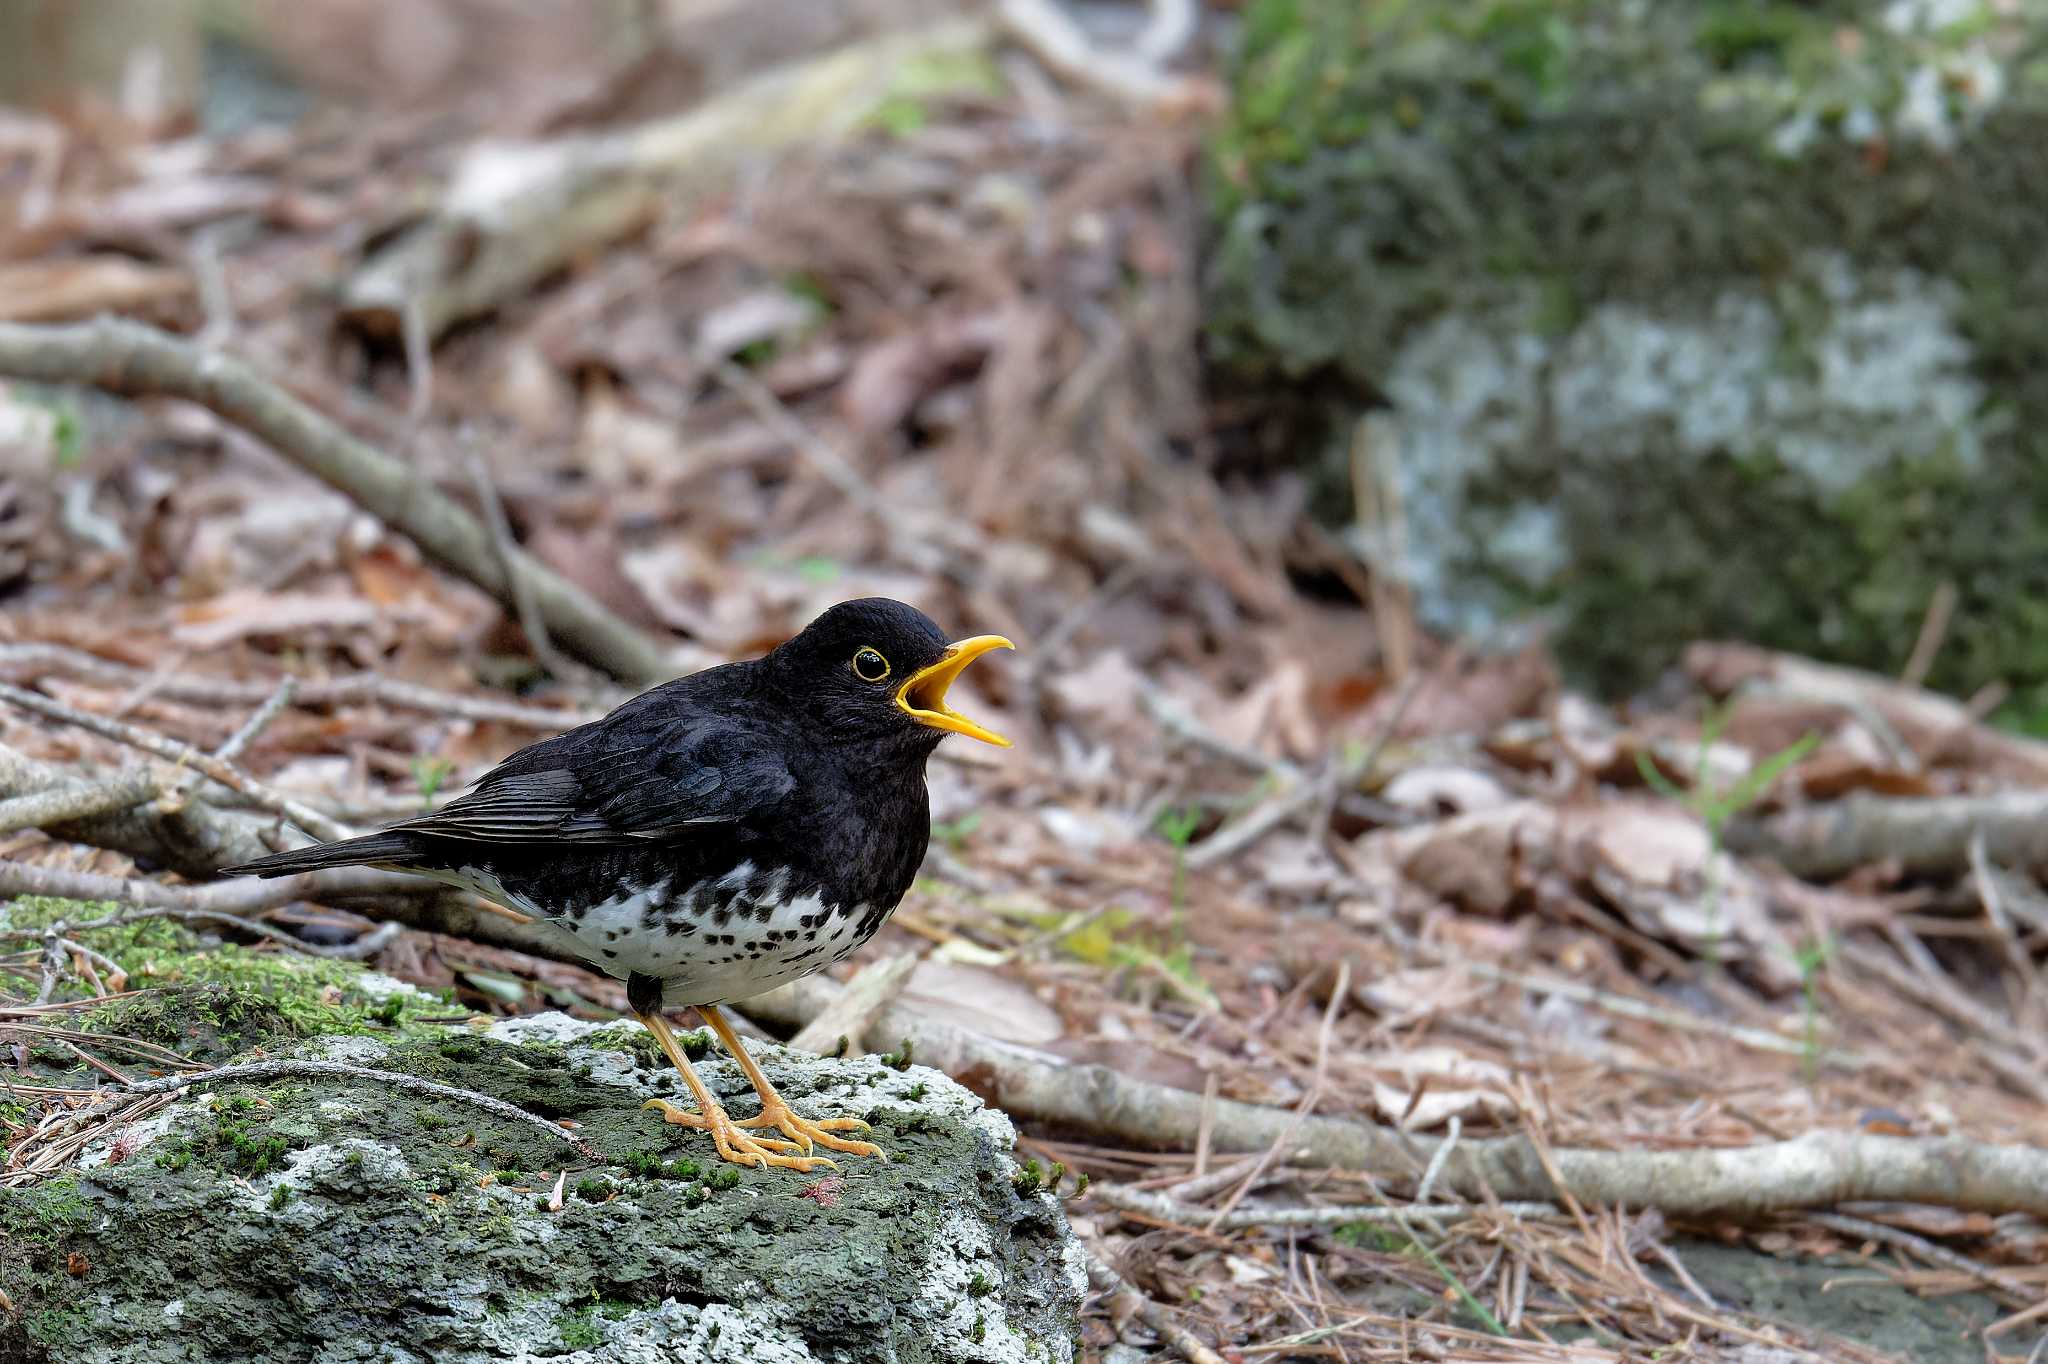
(1677, 320)
(330, 1220)
(325, 1218)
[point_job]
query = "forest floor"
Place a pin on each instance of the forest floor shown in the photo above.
(1262, 837)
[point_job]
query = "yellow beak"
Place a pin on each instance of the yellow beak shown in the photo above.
(923, 697)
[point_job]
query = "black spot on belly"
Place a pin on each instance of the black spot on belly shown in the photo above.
(608, 952)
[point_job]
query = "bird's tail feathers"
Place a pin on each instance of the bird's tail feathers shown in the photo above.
(386, 849)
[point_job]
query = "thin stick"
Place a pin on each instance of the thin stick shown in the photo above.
(1307, 796)
(1189, 1215)
(1933, 630)
(307, 818)
(1630, 1007)
(412, 1084)
(36, 658)
(2001, 922)
(272, 707)
(1926, 1250)
(1107, 1280)
(1309, 1100)
(506, 548)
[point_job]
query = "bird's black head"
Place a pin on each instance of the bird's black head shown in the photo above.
(875, 670)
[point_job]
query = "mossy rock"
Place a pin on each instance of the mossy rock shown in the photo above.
(1678, 321)
(317, 1220)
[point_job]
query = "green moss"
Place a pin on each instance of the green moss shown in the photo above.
(1390, 165)
(57, 1328)
(579, 1330)
(651, 1165)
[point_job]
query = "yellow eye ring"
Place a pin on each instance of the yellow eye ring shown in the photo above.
(869, 665)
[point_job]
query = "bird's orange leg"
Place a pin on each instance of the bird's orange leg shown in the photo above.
(710, 1116)
(776, 1113)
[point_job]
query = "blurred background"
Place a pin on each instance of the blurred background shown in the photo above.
(1482, 489)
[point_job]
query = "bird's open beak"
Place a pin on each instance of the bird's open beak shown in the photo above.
(923, 697)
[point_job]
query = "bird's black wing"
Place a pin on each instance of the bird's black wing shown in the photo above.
(633, 776)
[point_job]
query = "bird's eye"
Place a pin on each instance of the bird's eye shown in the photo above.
(870, 666)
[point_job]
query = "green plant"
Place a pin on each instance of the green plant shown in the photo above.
(1714, 806)
(953, 832)
(1810, 956)
(428, 773)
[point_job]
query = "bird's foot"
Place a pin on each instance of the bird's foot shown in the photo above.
(811, 1132)
(736, 1145)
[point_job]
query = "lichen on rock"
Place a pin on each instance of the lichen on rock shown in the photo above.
(342, 1221)
(1675, 321)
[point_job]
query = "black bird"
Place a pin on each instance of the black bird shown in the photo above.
(716, 836)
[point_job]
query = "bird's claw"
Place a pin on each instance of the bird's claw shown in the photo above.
(737, 1146)
(810, 1132)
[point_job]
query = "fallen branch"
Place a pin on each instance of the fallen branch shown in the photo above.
(515, 213)
(1934, 728)
(1813, 1171)
(182, 754)
(1135, 76)
(61, 804)
(224, 902)
(403, 901)
(2018, 1293)
(136, 361)
(1922, 836)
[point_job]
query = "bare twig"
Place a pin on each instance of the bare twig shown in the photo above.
(1919, 1245)
(37, 658)
(1309, 1099)
(1630, 1007)
(130, 359)
(506, 548)
(1941, 607)
(1307, 796)
(307, 818)
(1107, 1280)
(1190, 1215)
(415, 903)
(2001, 922)
(272, 707)
(274, 1070)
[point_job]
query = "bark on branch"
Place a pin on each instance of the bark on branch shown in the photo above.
(128, 358)
(1816, 1170)
(1929, 836)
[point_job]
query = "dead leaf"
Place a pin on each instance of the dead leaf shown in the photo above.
(1451, 1084)
(72, 287)
(982, 1001)
(1478, 861)
(1441, 789)
(242, 612)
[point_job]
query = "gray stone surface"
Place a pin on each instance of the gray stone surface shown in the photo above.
(348, 1223)
(1673, 321)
